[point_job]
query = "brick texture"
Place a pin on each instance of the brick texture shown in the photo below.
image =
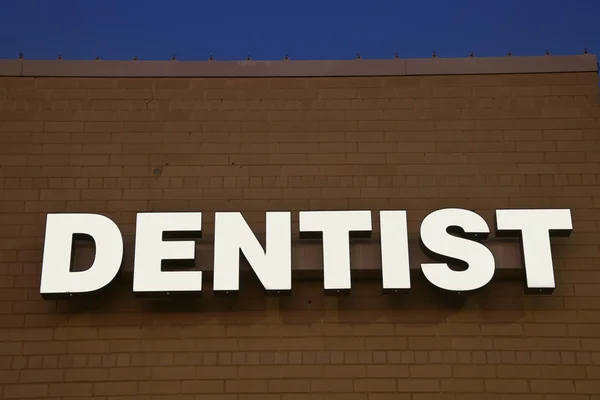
(121, 146)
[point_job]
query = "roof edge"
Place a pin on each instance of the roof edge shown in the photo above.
(300, 68)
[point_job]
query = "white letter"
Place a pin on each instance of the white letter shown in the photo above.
(439, 232)
(272, 266)
(151, 250)
(395, 265)
(336, 226)
(535, 228)
(56, 275)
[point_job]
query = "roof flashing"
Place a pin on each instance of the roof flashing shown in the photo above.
(299, 68)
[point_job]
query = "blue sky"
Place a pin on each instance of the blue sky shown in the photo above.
(328, 29)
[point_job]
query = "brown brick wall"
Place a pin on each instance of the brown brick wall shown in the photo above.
(121, 146)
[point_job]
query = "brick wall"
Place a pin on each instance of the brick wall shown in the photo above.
(118, 146)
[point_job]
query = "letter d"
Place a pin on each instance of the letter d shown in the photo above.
(57, 277)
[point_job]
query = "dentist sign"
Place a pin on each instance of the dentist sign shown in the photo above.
(450, 236)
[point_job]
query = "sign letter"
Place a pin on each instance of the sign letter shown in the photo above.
(535, 227)
(57, 278)
(449, 234)
(335, 227)
(272, 266)
(395, 265)
(151, 250)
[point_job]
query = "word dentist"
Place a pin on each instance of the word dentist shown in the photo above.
(446, 235)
